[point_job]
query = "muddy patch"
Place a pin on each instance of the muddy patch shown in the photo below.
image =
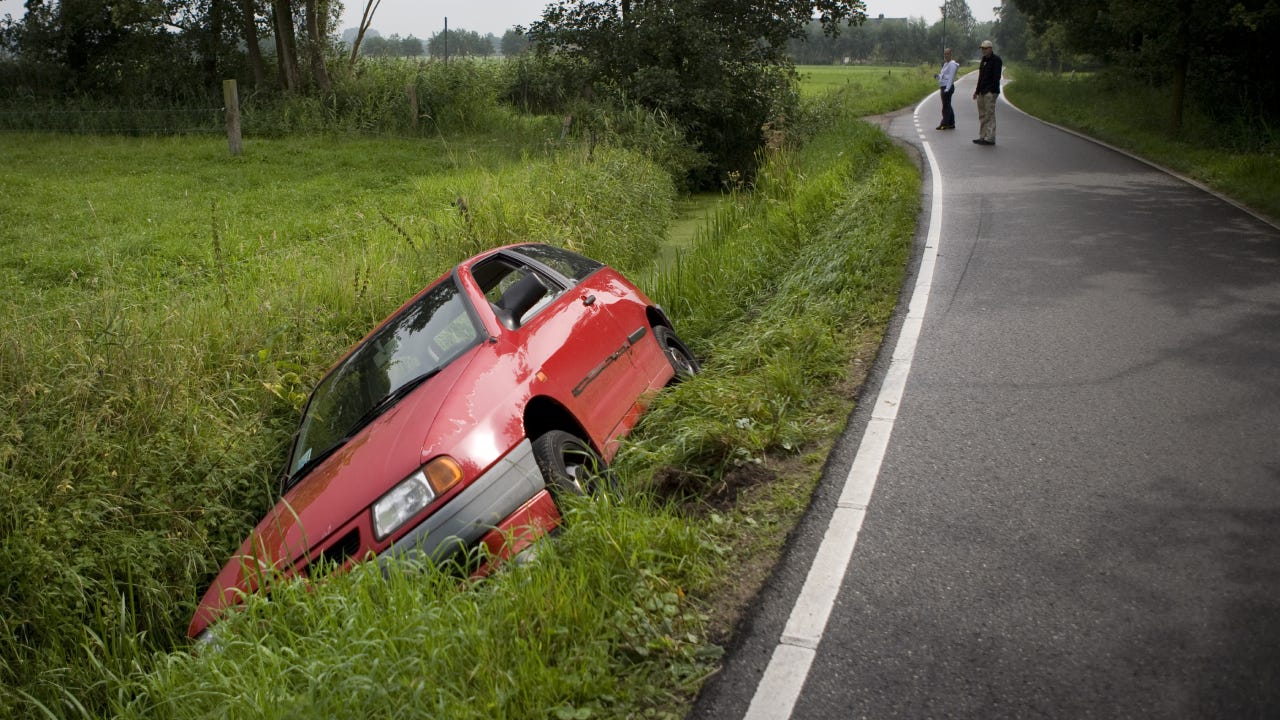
(697, 494)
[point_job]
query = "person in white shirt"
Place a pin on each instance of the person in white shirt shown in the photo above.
(947, 88)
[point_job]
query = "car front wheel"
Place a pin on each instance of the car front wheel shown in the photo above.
(678, 354)
(571, 466)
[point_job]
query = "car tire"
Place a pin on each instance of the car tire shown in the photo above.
(571, 466)
(678, 354)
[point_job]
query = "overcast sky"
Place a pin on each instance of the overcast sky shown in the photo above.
(424, 18)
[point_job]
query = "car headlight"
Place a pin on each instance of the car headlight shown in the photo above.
(413, 494)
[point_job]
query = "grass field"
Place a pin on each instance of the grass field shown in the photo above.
(873, 89)
(168, 306)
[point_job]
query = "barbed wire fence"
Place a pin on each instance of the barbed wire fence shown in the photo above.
(121, 121)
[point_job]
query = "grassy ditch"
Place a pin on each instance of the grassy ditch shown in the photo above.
(1237, 158)
(170, 305)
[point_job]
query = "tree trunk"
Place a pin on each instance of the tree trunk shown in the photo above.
(249, 30)
(315, 44)
(1181, 64)
(286, 44)
(1179, 95)
(366, 19)
(213, 53)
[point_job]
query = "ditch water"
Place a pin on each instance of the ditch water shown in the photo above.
(692, 212)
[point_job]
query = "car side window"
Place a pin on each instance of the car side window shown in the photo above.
(516, 292)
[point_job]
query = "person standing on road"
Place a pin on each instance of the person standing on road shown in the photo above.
(987, 92)
(947, 88)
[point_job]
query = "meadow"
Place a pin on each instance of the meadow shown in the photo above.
(168, 306)
(878, 88)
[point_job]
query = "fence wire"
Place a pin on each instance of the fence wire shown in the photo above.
(124, 121)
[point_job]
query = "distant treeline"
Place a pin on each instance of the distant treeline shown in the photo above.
(453, 43)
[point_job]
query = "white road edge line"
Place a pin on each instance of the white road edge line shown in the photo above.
(779, 688)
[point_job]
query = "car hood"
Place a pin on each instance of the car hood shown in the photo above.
(340, 488)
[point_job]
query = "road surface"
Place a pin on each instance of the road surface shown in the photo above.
(1067, 502)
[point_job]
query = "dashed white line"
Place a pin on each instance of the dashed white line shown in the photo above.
(776, 696)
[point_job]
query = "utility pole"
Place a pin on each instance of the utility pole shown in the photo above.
(944, 24)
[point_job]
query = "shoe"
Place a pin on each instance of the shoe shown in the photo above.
(947, 127)
(980, 141)
(941, 127)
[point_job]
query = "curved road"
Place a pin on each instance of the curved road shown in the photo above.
(1067, 498)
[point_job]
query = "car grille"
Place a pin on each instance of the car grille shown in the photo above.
(338, 552)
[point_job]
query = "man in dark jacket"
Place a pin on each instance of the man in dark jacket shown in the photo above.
(987, 92)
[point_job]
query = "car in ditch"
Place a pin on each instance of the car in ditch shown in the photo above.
(456, 421)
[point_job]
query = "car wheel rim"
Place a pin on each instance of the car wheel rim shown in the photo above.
(679, 362)
(579, 464)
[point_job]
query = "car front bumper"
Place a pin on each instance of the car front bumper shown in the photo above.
(482, 506)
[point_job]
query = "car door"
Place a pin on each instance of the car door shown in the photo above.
(570, 343)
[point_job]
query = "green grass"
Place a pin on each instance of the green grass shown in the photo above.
(169, 306)
(872, 89)
(1240, 160)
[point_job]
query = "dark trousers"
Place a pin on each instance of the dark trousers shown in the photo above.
(948, 115)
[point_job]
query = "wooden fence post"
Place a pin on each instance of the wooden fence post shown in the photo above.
(411, 90)
(231, 101)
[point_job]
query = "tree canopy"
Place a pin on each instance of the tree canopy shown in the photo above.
(169, 47)
(461, 43)
(1220, 53)
(718, 68)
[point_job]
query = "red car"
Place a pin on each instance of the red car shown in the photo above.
(516, 372)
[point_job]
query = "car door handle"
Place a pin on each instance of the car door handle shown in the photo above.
(589, 300)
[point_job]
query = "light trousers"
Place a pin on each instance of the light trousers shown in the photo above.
(987, 116)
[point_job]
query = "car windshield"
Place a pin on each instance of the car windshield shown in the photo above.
(412, 346)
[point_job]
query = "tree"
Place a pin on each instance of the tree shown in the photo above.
(91, 46)
(957, 24)
(1011, 32)
(411, 46)
(142, 49)
(1159, 38)
(318, 28)
(459, 43)
(248, 19)
(366, 19)
(718, 68)
(514, 42)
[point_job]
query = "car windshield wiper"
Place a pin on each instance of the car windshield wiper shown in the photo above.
(388, 400)
(383, 404)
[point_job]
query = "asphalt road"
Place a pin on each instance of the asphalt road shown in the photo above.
(1078, 510)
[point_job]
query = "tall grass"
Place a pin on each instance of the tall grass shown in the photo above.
(781, 288)
(1240, 157)
(418, 97)
(170, 306)
(378, 95)
(565, 636)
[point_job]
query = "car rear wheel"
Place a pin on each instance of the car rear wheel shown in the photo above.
(571, 466)
(678, 354)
